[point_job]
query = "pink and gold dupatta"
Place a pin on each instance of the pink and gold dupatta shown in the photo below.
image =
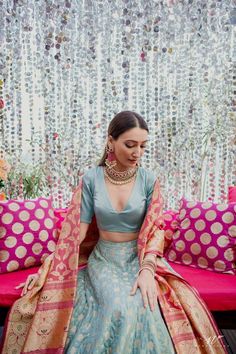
(39, 321)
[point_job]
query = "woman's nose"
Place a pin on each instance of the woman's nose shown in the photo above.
(137, 152)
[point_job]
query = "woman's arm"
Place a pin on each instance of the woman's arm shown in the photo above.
(150, 257)
(154, 248)
(83, 231)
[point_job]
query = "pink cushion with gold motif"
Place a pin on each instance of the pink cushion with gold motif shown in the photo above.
(27, 233)
(206, 236)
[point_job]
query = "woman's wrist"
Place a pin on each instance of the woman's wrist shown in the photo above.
(148, 269)
(150, 258)
(149, 264)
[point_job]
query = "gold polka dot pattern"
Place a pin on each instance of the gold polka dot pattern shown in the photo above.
(7, 218)
(14, 206)
(17, 228)
(27, 233)
(20, 252)
(212, 252)
(186, 258)
(34, 225)
(10, 241)
(216, 228)
(29, 262)
(210, 215)
(180, 245)
(232, 230)
(43, 235)
(28, 238)
(228, 217)
(195, 213)
(189, 235)
(223, 241)
(4, 256)
(202, 262)
(24, 215)
(195, 248)
(12, 265)
(205, 237)
(3, 231)
(37, 248)
(200, 225)
(39, 213)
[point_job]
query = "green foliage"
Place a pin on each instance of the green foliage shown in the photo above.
(26, 182)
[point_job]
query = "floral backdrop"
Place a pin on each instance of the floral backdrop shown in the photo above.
(67, 66)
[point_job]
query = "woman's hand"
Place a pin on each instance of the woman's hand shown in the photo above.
(29, 283)
(148, 288)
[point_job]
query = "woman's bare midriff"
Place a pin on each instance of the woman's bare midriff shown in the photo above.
(118, 236)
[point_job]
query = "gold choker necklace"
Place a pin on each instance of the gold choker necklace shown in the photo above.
(117, 177)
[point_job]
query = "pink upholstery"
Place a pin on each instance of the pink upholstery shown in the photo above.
(217, 290)
(8, 281)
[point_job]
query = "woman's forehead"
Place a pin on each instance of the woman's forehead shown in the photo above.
(135, 134)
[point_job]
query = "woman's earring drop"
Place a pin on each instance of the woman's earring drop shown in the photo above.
(110, 161)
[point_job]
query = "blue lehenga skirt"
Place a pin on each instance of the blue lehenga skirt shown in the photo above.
(106, 318)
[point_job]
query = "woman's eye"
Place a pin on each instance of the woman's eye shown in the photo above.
(132, 146)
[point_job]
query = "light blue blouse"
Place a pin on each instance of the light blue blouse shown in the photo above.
(96, 200)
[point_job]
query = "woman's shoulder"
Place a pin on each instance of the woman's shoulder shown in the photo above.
(92, 173)
(148, 176)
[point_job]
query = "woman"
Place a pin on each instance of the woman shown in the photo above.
(128, 299)
(119, 193)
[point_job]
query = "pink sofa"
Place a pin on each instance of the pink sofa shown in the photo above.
(217, 290)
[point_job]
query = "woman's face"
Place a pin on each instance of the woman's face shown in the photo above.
(129, 147)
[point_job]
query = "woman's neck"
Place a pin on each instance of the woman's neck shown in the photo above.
(120, 168)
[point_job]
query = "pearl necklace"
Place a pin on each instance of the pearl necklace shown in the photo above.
(117, 177)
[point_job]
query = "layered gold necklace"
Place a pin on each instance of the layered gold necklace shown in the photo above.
(117, 177)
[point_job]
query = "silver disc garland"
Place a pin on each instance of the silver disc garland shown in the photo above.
(66, 67)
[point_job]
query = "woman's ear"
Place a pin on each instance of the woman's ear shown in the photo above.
(110, 141)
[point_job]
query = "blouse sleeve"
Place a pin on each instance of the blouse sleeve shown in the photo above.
(87, 204)
(151, 179)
